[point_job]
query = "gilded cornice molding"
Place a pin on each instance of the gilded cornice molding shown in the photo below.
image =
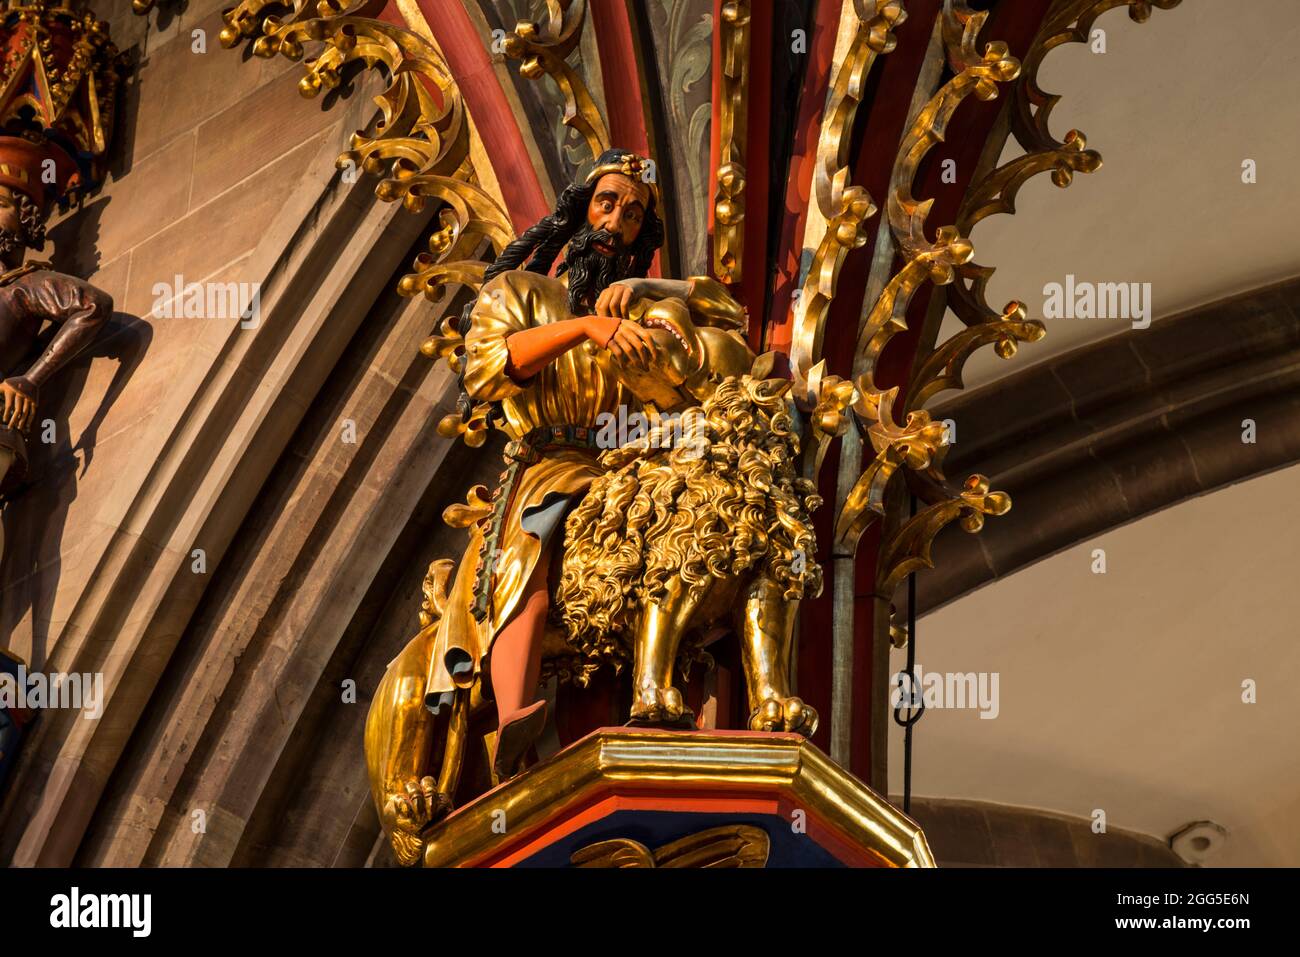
(614, 758)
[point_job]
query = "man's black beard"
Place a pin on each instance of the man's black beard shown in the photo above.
(590, 270)
(10, 242)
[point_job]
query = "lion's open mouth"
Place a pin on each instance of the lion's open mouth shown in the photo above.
(652, 323)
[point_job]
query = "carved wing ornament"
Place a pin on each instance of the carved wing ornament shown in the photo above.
(1030, 111)
(917, 445)
(905, 440)
(732, 845)
(993, 193)
(845, 207)
(1070, 21)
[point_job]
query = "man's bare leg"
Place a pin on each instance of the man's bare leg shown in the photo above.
(516, 668)
(6, 460)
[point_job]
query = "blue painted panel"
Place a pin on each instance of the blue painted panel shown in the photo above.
(657, 828)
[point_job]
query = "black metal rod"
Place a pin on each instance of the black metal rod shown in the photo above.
(911, 680)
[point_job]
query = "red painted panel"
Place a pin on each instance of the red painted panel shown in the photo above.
(753, 285)
(626, 104)
(798, 185)
(471, 65)
(624, 99)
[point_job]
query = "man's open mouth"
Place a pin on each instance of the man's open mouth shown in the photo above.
(605, 249)
(651, 323)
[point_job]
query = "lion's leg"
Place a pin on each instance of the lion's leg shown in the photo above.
(399, 732)
(659, 634)
(766, 645)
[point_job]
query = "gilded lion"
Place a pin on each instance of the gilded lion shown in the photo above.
(702, 521)
(698, 527)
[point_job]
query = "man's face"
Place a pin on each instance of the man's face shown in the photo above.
(13, 245)
(600, 252)
(9, 219)
(618, 207)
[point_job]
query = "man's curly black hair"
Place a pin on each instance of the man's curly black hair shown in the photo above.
(541, 243)
(31, 227)
(537, 248)
(32, 218)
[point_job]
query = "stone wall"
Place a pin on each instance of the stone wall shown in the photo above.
(297, 453)
(206, 150)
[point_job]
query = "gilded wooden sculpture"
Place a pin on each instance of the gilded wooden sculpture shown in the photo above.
(592, 551)
(598, 549)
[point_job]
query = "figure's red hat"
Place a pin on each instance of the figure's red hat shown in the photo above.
(41, 170)
(57, 95)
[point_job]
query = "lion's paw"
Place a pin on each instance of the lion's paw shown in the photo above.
(408, 811)
(655, 705)
(785, 714)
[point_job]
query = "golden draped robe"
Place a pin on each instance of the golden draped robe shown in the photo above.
(568, 394)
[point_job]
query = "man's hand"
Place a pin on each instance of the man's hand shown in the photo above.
(615, 300)
(17, 404)
(630, 342)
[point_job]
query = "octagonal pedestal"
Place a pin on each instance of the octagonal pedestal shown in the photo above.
(624, 797)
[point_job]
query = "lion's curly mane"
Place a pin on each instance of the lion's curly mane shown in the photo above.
(712, 495)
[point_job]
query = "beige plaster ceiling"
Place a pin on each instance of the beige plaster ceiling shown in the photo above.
(1174, 106)
(1123, 690)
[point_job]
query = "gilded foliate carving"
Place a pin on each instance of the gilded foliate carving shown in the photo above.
(729, 194)
(543, 48)
(915, 445)
(844, 206)
(422, 149)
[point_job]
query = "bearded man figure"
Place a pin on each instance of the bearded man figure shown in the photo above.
(532, 344)
(551, 353)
